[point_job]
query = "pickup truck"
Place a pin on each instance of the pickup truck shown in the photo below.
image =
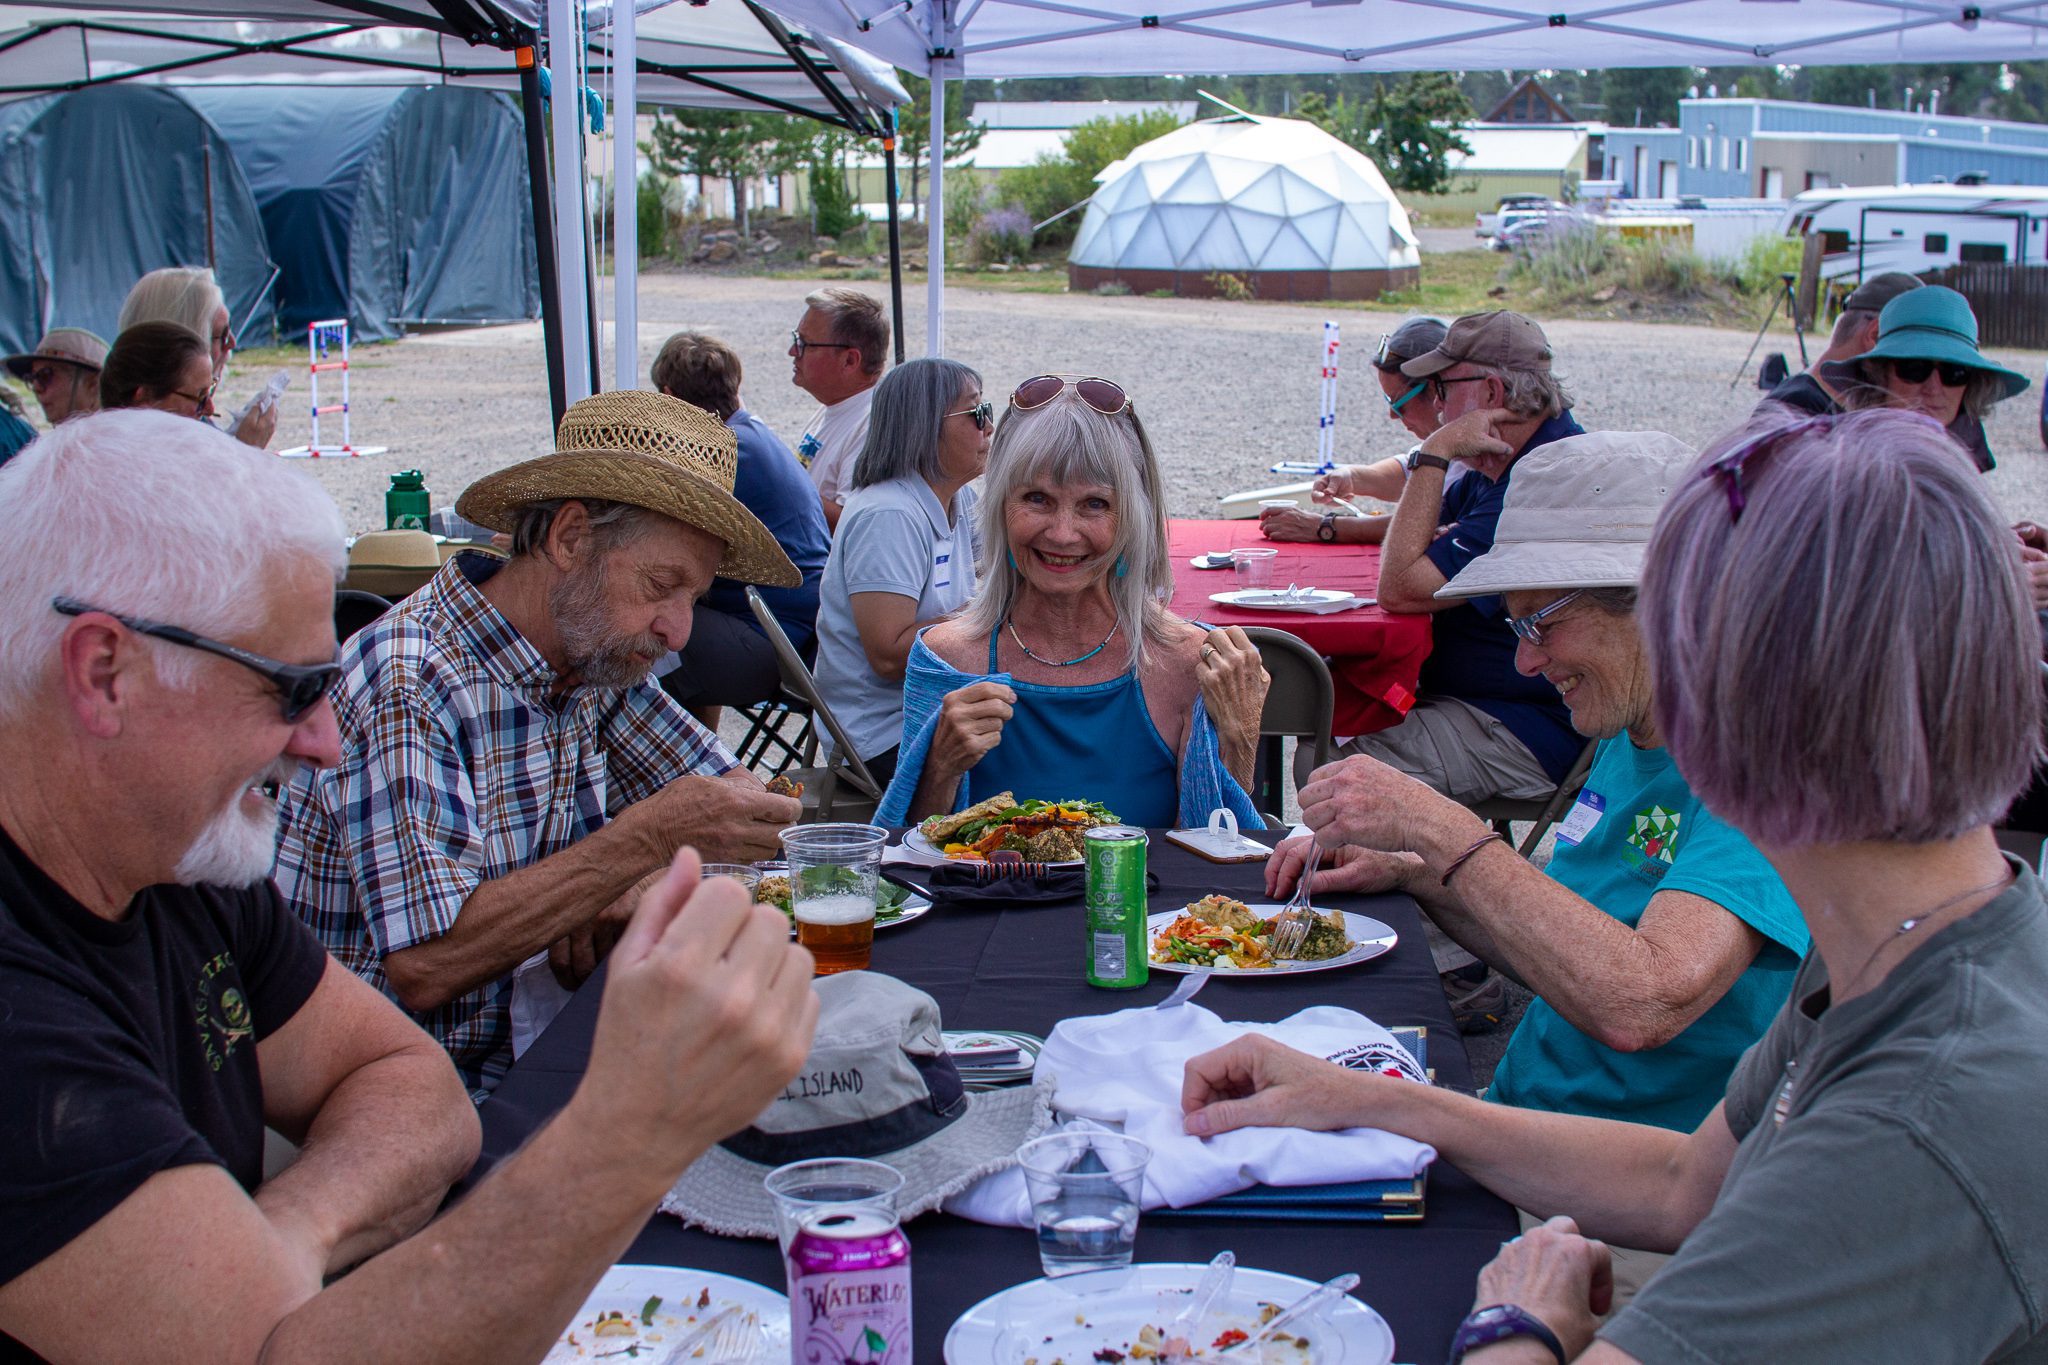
(1489, 224)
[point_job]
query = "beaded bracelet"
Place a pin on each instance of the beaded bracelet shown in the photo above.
(1462, 858)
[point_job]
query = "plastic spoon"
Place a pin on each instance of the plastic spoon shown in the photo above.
(1305, 1306)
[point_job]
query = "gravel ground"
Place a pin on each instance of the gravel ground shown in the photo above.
(1225, 388)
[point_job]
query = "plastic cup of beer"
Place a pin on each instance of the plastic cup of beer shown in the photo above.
(832, 873)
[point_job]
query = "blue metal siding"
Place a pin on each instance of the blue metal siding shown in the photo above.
(1826, 118)
(1926, 161)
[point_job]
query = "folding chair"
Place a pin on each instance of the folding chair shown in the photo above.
(1299, 702)
(354, 609)
(1501, 812)
(841, 789)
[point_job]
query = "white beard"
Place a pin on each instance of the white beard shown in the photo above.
(237, 848)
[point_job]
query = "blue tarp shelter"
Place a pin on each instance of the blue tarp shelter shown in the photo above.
(99, 187)
(386, 205)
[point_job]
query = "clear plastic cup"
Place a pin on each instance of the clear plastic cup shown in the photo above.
(805, 1185)
(1085, 1188)
(1254, 567)
(832, 873)
(746, 874)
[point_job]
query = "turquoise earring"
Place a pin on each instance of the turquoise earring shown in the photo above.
(1011, 555)
(1119, 566)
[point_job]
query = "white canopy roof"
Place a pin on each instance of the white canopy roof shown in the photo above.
(989, 38)
(716, 55)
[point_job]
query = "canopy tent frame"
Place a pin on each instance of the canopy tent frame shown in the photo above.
(478, 24)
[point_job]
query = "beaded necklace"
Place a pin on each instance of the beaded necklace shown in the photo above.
(1011, 626)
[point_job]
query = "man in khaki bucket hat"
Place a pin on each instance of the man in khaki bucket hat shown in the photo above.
(509, 777)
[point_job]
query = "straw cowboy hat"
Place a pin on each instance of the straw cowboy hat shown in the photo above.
(651, 451)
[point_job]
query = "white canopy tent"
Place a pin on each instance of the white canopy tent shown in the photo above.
(715, 54)
(962, 39)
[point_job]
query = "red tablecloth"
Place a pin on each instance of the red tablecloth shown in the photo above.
(1375, 656)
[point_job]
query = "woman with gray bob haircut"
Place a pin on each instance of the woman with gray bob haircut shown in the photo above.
(1846, 671)
(1066, 678)
(903, 552)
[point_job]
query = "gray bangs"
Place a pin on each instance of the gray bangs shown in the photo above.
(1067, 444)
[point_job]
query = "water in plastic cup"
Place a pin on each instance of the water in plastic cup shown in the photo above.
(1254, 568)
(1085, 1189)
(832, 874)
(804, 1185)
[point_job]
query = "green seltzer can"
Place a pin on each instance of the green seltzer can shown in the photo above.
(1116, 906)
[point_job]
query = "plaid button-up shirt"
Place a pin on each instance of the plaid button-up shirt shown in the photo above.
(457, 767)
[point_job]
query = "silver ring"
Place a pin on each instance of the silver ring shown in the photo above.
(1207, 650)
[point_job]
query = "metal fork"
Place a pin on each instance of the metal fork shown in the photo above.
(1290, 926)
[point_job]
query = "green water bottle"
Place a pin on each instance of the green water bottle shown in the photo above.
(407, 502)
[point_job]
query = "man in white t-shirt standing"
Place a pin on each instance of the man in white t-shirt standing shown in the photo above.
(838, 348)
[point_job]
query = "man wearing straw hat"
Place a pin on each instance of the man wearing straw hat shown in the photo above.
(508, 775)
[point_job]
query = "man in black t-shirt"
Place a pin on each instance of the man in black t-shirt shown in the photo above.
(160, 1006)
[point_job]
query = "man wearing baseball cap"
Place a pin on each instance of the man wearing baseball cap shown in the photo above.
(1480, 729)
(1855, 332)
(509, 778)
(63, 371)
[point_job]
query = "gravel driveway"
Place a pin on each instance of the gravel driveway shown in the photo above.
(1225, 388)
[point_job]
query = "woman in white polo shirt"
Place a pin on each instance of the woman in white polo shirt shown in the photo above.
(903, 554)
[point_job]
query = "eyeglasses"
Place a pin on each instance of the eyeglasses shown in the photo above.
(1530, 627)
(1394, 405)
(41, 376)
(299, 686)
(800, 343)
(1441, 383)
(1730, 466)
(1916, 371)
(197, 400)
(1105, 397)
(983, 413)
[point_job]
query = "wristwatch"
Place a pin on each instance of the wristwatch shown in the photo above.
(1418, 456)
(1484, 1326)
(1327, 530)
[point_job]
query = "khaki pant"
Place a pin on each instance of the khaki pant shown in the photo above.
(1453, 747)
(1632, 1268)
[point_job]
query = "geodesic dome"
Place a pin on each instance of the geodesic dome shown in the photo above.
(1279, 203)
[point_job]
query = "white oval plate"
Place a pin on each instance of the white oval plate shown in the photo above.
(1369, 939)
(627, 1288)
(1277, 599)
(924, 850)
(1006, 1328)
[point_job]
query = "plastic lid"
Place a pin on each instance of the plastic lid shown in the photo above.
(409, 479)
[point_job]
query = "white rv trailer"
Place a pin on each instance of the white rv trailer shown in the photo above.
(1869, 229)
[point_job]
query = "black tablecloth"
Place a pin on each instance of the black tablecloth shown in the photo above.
(1022, 969)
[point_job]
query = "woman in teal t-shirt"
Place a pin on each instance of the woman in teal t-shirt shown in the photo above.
(1660, 943)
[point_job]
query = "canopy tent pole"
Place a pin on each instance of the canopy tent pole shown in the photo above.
(895, 236)
(935, 225)
(568, 141)
(625, 198)
(543, 227)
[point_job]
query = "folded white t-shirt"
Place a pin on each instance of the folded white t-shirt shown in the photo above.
(1124, 1071)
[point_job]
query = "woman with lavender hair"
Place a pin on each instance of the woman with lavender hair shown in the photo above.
(1845, 665)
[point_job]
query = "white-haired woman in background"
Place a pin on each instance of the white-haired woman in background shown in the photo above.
(1846, 671)
(189, 296)
(1066, 677)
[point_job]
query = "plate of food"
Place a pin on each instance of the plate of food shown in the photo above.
(894, 905)
(644, 1312)
(1037, 831)
(1219, 934)
(1128, 1314)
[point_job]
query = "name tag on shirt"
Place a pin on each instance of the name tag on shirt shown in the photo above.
(1584, 814)
(942, 564)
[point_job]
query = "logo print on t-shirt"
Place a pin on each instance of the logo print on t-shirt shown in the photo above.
(220, 1011)
(1655, 833)
(807, 449)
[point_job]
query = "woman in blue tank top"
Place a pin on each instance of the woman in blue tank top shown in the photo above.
(1066, 677)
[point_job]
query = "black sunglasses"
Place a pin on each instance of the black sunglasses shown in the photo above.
(299, 686)
(1915, 371)
(983, 413)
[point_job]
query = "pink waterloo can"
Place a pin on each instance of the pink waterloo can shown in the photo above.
(849, 1288)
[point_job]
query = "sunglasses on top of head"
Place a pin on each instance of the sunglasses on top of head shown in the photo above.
(299, 686)
(1104, 396)
(1915, 371)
